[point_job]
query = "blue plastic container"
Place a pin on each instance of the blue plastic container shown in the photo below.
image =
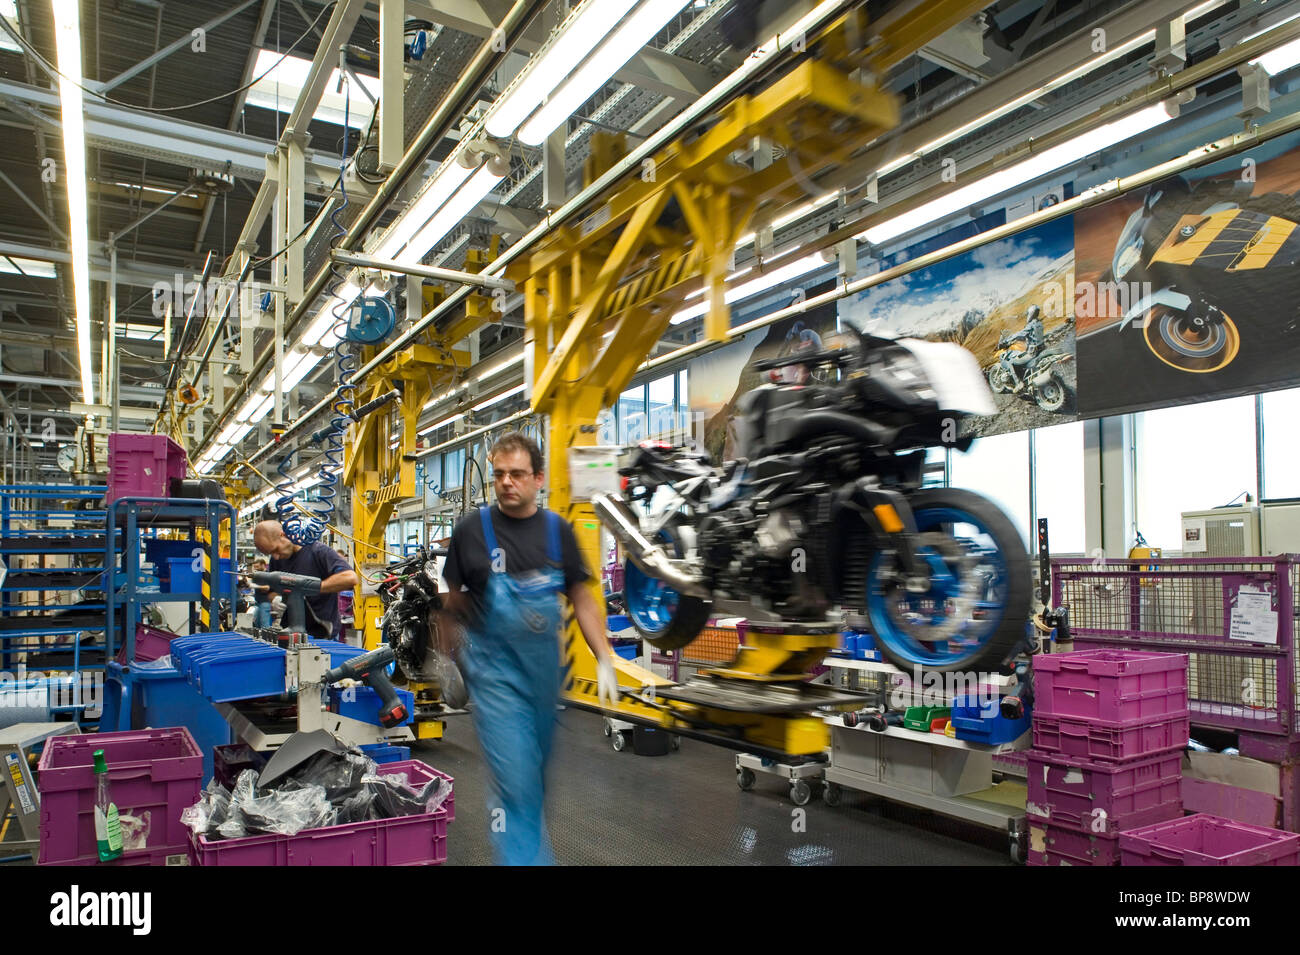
(986, 725)
(184, 579)
(362, 703)
(166, 699)
(626, 650)
(383, 753)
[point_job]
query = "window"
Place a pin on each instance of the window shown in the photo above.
(1058, 487)
(631, 415)
(432, 479)
(453, 468)
(661, 403)
(1281, 453)
(998, 468)
(1192, 458)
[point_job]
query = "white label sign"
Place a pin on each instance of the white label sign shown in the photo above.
(1194, 535)
(1253, 618)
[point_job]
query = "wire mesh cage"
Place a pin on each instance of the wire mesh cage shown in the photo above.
(1233, 617)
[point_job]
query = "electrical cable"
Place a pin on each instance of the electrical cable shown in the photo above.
(49, 67)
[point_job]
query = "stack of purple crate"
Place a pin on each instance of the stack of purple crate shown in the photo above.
(1109, 730)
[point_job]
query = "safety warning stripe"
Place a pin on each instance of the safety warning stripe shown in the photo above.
(205, 611)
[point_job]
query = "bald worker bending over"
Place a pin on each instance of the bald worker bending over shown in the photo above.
(314, 560)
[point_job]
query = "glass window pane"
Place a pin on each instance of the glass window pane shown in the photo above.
(998, 468)
(453, 468)
(1192, 458)
(631, 415)
(660, 411)
(1281, 451)
(1058, 486)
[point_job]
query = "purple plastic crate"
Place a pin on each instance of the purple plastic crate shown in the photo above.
(156, 771)
(1205, 840)
(1052, 845)
(162, 855)
(406, 840)
(150, 644)
(1103, 798)
(143, 465)
(1095, 739)
(1113, 685)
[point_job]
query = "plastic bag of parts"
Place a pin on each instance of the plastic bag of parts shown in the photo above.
(135, 831)
(394, 795)
(210, 811)
(340, 775)
(284, 811)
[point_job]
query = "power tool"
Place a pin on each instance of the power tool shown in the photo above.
(296, 588)
(369, 668)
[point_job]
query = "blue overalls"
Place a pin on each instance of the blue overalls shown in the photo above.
(511, 666)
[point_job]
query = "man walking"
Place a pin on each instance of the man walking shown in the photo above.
(506, 566)
(313, 560)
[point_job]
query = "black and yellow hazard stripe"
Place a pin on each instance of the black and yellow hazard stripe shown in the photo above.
(205, 608)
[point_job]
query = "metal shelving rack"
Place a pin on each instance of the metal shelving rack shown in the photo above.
(32, 525)
(132, 516)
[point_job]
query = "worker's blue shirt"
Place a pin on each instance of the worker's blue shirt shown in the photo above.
(317, 560)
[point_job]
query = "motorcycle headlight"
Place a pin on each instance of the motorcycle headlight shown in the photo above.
(1129, 257)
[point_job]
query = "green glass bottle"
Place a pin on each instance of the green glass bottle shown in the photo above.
(108, 831)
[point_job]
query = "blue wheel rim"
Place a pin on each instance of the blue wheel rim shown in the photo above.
(651, 603)
(931, 607)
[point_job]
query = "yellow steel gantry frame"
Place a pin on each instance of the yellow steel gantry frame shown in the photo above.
(598, 294)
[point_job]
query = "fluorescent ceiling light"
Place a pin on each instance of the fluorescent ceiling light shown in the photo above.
(474, 191)
(298, 370)
(262, 410)
(620, 46)
(438, 424)
(578, 35)
(786, 273)
(1282, 58)
(1019, 174)
(279, 89)
(440, 187)
(500, 367)
(33, 268)
(67, 41)
(498, 399)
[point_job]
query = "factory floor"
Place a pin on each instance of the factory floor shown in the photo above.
(610, 808)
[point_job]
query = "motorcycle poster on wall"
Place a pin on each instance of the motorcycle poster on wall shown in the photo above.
(1008, 303)
(1188, 290)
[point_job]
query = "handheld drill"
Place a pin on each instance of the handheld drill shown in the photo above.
(296, 589)
(369, 668)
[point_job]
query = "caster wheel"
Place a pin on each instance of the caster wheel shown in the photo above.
(832, 794)
(1015, 853)
(618, 741)
(745, 779)
(676, 743)
(800, 792)
(606, 727)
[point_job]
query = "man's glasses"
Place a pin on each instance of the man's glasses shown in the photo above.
(513, 475)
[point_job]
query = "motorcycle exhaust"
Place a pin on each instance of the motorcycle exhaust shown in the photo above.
(622, 522)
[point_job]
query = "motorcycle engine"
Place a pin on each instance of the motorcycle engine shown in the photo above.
(769, 556)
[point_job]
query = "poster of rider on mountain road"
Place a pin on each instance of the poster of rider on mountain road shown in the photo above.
(1188, 290)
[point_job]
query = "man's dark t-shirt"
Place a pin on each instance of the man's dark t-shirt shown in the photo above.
(317, 560)
(523, 542)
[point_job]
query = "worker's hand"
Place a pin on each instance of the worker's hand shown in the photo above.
(606, 682)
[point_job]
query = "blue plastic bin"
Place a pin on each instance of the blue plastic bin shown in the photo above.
(166, 699)
(986, 725)
(628, 651)
(383, 753)
(184, 579)
(362, 703)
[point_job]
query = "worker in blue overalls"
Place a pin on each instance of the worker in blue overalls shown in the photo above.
(506, 566)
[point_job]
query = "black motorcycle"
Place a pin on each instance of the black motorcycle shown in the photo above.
(409, 592)
(825, 513)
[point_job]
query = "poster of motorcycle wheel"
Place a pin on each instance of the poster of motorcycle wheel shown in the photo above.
(1009, 304)
(1189, 290)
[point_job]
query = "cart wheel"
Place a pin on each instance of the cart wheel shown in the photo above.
(676, 742)
(1015, 853)
(618, 741)
(832, 794)
(606, 727)
(800, 792)
(745, 778)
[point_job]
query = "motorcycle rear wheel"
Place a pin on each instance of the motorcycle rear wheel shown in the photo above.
(1000, 571)
(1183, 342)
(1051, 396)
(665, 618)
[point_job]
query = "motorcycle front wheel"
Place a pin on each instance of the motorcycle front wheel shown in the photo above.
(999, 381)
(1189, 342)
(974, 612)
(661, 615)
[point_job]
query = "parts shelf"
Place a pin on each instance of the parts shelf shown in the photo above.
(41, 523)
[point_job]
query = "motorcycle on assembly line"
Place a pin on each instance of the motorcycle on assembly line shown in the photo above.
(1040, 382)
(1188, 244)
(826, 509)
(411, 599)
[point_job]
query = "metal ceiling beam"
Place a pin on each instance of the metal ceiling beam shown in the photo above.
(178, 44)
(650, 69)
(134, 132)
(136, 274)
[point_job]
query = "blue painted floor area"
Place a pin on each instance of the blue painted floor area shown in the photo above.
(609, 808)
